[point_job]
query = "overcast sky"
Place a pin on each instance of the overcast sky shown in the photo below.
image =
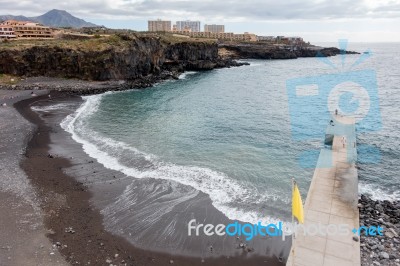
(315, 20)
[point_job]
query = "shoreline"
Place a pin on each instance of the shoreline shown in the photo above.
(66, 203)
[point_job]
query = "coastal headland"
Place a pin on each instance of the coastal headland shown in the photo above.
(126, 61)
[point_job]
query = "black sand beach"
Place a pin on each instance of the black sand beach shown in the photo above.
(71, 206)
(22, 237)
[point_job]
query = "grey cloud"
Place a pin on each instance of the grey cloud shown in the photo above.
(231, 9)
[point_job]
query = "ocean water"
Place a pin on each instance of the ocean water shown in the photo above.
(227, 133)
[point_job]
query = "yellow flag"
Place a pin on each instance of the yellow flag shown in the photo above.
(297, 205)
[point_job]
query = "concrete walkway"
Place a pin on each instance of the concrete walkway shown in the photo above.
(331, 200)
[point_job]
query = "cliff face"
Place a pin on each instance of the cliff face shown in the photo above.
(192, 56)
(64, 62)
(136, 57)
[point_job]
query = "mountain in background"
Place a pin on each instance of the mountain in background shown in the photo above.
(54, 18)
(61, 18)
(7, 17)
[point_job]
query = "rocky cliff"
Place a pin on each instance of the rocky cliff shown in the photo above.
(263, 51)
(118, 58)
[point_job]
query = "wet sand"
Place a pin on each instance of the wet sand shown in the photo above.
(74, 193)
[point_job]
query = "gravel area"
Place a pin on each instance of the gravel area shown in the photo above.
(380, 250)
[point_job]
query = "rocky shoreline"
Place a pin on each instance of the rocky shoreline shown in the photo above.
(86, 87)
(380, 250)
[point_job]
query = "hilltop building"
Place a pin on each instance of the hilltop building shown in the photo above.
(266, 38)
(228, 36)
(7, 32)
(159, 25)
(24, 29)
(296, 41)
(289, 40)
(188, 25)
(214, 28)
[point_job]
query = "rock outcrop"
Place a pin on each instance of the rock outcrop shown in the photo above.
(263, 51)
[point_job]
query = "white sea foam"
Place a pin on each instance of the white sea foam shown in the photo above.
(224, 191)
(185, 74)
(251, 62)
(377, 193)
(48, 108)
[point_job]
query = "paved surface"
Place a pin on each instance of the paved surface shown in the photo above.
(331, 200)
